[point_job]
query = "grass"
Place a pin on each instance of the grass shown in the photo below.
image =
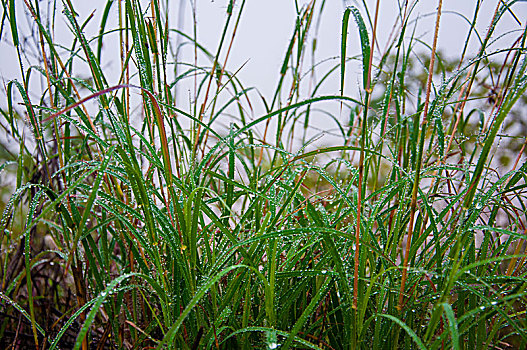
(136, 220)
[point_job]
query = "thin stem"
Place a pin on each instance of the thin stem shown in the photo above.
(422, 133)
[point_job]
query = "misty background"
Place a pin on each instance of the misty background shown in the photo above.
(266, 28)
(262, 37)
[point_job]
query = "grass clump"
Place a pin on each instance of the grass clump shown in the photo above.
(136, 220)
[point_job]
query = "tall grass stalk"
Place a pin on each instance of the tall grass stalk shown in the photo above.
(418, 163)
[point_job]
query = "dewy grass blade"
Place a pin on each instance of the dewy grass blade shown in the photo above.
(97, 302)
(27, 256)
(366, 52)
(281, 333)
(452, 323)
(307, 313)
(511, 99)
(104, 21)
(23, 312)
(169, 336)
(96, 70)
(81, 225)
(366, 48)
(407, 329)
(343, 47)
(418, 161)
(12, 21)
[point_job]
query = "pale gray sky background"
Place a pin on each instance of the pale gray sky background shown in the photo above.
(265, 30)
(267, 25)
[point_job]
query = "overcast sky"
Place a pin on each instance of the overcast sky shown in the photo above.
(266, 29)
(267, 25)
(262, 38)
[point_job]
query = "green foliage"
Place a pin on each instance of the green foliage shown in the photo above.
(134, 221)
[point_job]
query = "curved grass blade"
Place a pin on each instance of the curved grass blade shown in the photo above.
(169, 336)
(407, 329)
(307, 313)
